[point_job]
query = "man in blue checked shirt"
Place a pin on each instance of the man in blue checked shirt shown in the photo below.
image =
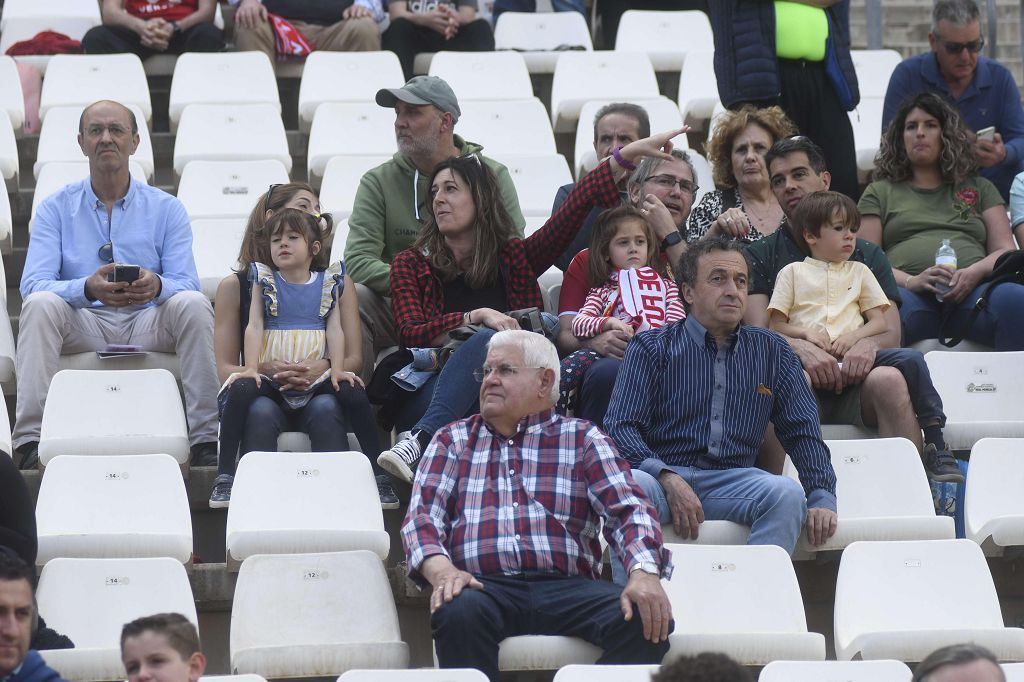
(80, 235)
(504, 520)
(691, 405)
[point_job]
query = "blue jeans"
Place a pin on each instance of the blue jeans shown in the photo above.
(596, 391)
(451, 394)
(923, 396)
(1000, 326)
(468, 630)
(773, 506)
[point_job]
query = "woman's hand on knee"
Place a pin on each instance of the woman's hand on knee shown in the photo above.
(338, 376)
(247, 373)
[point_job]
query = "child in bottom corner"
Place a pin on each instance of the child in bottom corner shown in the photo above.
(834, 302)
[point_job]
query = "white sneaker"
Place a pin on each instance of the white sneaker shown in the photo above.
(400, 461)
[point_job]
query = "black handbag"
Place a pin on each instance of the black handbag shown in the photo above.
(322, 12)
(1009, 268)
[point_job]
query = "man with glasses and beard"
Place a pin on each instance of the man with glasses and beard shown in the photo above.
(110, 262)
(980, 88)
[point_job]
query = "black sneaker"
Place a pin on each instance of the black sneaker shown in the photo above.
(29, 455)
(220, 498)
(941, 465)
(204, 455)
(401, 460)
(388, 498)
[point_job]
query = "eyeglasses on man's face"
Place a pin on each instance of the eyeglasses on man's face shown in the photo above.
(502, 371)
(667, 182)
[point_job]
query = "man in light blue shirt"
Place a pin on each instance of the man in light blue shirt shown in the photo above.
(79, 235)
(691, 405)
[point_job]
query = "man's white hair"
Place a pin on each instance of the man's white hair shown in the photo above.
(537, 352)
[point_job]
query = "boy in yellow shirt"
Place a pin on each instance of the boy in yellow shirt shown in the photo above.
(834, 303)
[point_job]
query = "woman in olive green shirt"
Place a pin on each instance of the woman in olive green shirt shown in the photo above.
(928, 190)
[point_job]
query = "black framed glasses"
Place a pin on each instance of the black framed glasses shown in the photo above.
(667, 182)
(974, 47)
(106, 252)
(270, 193)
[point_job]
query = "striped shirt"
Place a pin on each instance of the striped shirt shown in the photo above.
(532, 502)
(679, 400)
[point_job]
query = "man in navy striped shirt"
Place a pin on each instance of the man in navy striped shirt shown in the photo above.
(691, 405)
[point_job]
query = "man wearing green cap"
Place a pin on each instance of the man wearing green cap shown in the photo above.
(393, 200)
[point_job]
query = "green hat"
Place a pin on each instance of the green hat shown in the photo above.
(422, 90)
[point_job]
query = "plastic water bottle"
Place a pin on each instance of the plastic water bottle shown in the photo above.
(946, 257)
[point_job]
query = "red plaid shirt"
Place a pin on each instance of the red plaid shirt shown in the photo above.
(417, 294)
(532, 502)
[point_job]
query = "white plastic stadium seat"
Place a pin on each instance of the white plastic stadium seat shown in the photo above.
(705, 178)
(232, 678)
(58, 139)
(220, 132)
(981, 395)
(583, 76)
(606, 673)
(113, 413)
(6, 221)
(89, 600)
(339, 240)
(874, 69)
(711, 533)
(225, 189)
(5, 429)
(742, 600)
(304, 503)
(23, 19)
(928, 345)
(536, 178)
(544, 652)
(538, 36)
(507, 127)
(883, 494)
(369, 130)
(866, 120)
(9, 166)
(77, 80)
(835, 671)
(215, 245)
(314, 615)
(893, 601)
(1014, 672)
(666, 37)
(125, 506)
(994, 508)
(483, 75)
(11, 99)
(415, 675)
(221, 78)
(698, 88)
(662, 112)
(298, 441)
(341, 180)
(345, 77)
(56, 174)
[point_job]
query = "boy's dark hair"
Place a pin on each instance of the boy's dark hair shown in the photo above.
(605, 228)
(305, 224)
(954, 654)
(817, 209)
(181, 634)
(12, 567)
(705, 667)
(792, 145)
(686, 273)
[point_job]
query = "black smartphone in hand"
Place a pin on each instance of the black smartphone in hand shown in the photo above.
(124, 273)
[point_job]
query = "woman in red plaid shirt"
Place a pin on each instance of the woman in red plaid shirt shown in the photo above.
(466, 267)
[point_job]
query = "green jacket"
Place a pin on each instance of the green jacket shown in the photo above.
(392, 204)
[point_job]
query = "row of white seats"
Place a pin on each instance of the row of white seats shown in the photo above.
(318, 615)
(293, 504)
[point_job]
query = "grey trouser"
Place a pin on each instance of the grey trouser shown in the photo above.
(49, 327)
(378, 327)
(350, 35)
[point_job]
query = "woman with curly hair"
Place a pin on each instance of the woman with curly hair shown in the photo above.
(744, 208)
(927, 190)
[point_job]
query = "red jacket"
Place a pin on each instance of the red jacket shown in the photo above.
(417, 294)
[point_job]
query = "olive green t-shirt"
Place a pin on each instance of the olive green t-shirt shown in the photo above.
(915, 221)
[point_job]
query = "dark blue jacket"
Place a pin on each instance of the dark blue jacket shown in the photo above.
(745, 63)
(34, 669)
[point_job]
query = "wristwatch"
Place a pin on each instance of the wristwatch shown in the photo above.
(646, 567)
(671, 240)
